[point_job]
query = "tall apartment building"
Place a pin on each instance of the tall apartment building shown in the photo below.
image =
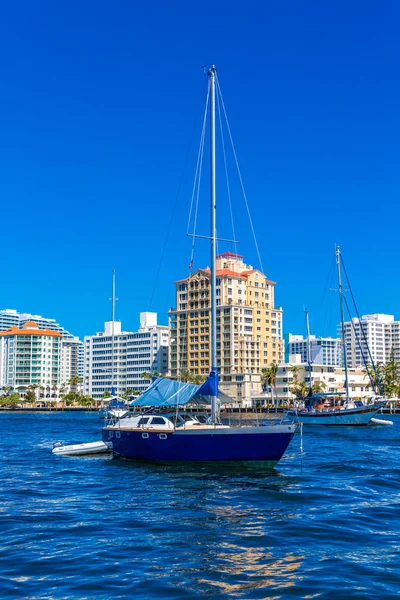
(71, 346)
(323, 350)
(72, 359)
(8, 318)
(378, 333)
(133, 354)
(249, 326)
(29, 355)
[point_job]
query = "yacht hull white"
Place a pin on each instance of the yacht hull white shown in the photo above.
(351, 416)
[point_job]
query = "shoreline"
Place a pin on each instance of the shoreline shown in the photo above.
(231, 411)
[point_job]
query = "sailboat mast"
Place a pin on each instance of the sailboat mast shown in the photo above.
(346, 374)
(213, 208)
(112, 331)
(308, 350)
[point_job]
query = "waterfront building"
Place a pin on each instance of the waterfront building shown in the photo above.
(323, 350)
(373, 336)
(72, 357)
(30, 356)
(8, 318)
(119, 360)
(330, 377)
(249, 326)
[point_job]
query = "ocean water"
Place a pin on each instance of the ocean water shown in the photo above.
(323, 524)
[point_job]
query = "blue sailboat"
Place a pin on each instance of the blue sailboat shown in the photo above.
(168, 432)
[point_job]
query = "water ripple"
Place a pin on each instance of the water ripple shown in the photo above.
(323, 524)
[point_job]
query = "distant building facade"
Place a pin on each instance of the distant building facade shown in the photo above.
(323, 350)
(71, 353)
(249, 326)
(30, 356)
(374, 336)
(331, 378)
(121, 364)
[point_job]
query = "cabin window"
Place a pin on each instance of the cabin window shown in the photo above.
(157, 421)
(144, 421)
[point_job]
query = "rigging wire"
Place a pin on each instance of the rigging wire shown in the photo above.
(362, 329)
(359, 343)
(196, 184)
(219, 91)
(226, 173)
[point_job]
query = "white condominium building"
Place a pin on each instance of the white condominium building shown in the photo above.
(29, 356)
(71, 359)
(331, 377)
(119, 364)
(8, 318)
(323, 350)
(373, 336)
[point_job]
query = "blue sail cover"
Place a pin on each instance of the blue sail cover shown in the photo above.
(116, 403)
(168, 392)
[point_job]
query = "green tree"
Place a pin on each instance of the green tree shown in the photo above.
(300, 390)
(265, 379)
(391, 375)
(107, 394)
(30, 396)
(127, 393)
(10, 401)
(318, 387)
(294, 370)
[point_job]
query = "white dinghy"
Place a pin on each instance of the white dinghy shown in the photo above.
(380, 422)
(80, 449)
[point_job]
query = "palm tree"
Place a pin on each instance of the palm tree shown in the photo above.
(294, 370)
(265, 379)
(391, 375)
(318, 387)
(300, 390)
(127, 393)
(376, 375)
(273, 369)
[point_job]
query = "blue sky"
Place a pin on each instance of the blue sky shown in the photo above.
(101, 104)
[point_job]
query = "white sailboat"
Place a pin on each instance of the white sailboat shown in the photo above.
(336, 409)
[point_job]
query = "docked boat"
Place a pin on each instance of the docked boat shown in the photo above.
(166, 432)
(332, 408)
(116, 409)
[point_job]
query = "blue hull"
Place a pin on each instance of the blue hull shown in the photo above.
(224, 445)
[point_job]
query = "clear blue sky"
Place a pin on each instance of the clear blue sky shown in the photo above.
(100, 103)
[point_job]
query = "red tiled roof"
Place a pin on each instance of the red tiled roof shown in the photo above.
(229, 255)
(29, 328)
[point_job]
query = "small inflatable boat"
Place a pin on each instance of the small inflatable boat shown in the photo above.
(80, 449)
(380, 422)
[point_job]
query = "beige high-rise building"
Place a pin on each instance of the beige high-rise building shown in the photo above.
(249, 326)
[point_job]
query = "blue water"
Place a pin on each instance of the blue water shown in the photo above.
(321, 525)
